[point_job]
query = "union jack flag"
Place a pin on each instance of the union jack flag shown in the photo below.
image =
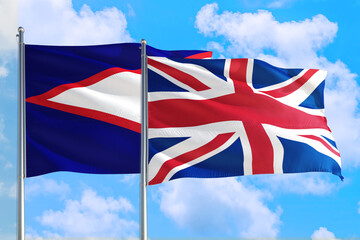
(232, 117)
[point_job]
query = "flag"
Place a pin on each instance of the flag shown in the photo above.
(83, 107)
(233, 117)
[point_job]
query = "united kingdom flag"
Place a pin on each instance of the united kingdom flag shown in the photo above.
(218, 118)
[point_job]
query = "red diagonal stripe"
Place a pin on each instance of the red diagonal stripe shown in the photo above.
(261, 148)
(284, 91)
(200, 55)
(189, 156)
(179, 75)
(323, 142)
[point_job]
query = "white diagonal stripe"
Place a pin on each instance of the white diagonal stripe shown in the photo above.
(299, 96)
(278, 149)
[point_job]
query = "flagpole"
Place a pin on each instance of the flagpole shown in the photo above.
(21, 140)
(144, 142)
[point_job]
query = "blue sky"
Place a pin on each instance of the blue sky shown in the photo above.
(287, 33)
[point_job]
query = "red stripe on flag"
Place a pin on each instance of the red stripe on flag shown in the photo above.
(327, 145)
(237, 71)
(179, 75)
(200, 55)
(284, 91)
(189, 156)
(261, 149)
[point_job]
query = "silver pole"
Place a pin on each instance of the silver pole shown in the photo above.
(21, 140)
(144, 142)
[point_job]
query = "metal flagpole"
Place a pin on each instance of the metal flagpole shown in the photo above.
(21, 140)
(144, 142)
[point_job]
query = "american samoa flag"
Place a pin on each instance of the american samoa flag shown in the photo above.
(83, 107)
(232, 117)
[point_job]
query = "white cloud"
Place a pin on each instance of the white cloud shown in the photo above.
(279, 3)
(8, 41)
(45, 186)
(32, 234)
(129, 179)
(4, 72)
(250, 34)
(12, 191)
(93, 215)
(294, 44)
(5, 163)
(131, 12)
(2, 128)
(8, 25)
(219, 205)
(215, 46)
(323, 233)
(306, 183)
(8, 191)
(1, 188)
(57, 22)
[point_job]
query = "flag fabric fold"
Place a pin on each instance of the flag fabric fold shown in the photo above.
(83, 107)
(233, 117)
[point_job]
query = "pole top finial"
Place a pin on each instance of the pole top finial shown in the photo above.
(21, 29)
(143, 41)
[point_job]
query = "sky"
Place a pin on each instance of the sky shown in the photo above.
(286, 33)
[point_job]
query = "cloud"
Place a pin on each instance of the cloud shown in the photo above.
(129, 179)
(279, 3)
(302, 184)
(12, 191)
(251, 34)
(45, 186)
(8, 191)
(2, 128)
(32, 234)
(4, 72)
(293, 44)
(1, 188)
(215, 46)
(8, 25)
(8, 41)
(5, 163)
(323, 233)
(218, 206)
(131, 12)
(92, 215)
(57, 22)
